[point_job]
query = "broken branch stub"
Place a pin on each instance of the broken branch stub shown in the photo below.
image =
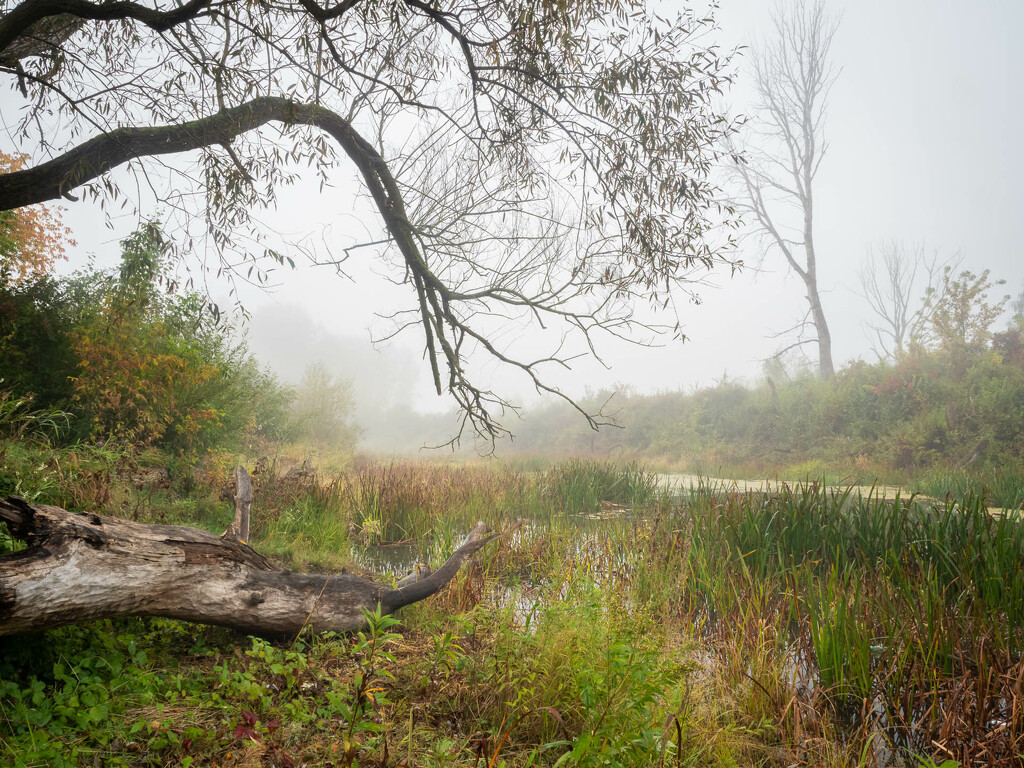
(239, 529)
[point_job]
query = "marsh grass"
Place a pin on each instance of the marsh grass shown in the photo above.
(805, 626)
(878, 627)
(309, 535)
(581, 486)
(1003, 488)
(908, 615)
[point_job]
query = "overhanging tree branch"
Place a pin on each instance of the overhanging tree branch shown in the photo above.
(57, 177)
(578, 148)
(19, 21)
(97, 156)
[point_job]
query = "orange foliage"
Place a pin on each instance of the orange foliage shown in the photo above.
(138, 386)
(32, 239)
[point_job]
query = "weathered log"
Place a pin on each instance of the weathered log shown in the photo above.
(79, 567)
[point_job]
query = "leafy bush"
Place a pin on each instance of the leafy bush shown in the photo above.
(918, 412)
(135, 360)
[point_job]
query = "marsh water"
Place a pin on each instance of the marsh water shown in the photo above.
(396, 559)
(599, 541)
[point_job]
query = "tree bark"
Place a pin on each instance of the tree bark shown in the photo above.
(79, 567)
(239, 529)
(826, 368)
(21, 21)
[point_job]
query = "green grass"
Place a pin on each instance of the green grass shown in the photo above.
(712, 628)
(581, 486)
(1002, 488)
(308, 535)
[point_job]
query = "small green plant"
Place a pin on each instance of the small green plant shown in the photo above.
(18, 419)
(368, 690)
(446, 655)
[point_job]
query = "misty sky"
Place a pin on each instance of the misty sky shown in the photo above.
(923, 129)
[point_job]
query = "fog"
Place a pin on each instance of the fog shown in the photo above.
(287, 339)
(923, 148)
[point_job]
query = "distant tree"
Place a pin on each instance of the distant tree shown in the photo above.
(531, 161)
(1017, 307)
(960, 315)
(787, 365)
(322, 409)
(893, 281)
(1009, 344)
(785, 146)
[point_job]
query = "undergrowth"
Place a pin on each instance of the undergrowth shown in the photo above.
(803, 626)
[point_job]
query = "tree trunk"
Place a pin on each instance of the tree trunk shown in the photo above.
(826, 369)
(79, 567)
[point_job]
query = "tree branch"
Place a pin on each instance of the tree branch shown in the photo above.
(21, 19)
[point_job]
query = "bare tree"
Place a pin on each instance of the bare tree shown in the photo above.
(786, 145)
(531, 162)
(901, 288)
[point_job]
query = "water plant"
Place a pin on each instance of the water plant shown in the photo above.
(803, 625)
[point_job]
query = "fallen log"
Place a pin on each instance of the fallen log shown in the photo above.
(78, 567)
